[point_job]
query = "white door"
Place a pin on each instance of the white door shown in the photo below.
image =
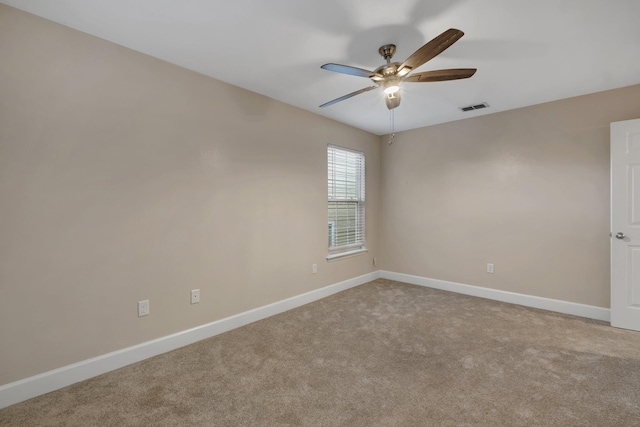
(625, 224)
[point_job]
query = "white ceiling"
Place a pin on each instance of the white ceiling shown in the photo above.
(526, 52)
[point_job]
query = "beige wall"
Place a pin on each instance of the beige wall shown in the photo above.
(125, 178)
(526, 189)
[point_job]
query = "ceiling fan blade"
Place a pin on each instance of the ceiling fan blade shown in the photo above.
(430, 50)
(342, 98)
(441, 75)
(346, 69)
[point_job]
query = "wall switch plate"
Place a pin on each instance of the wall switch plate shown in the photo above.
(195, 296)
(143, 308)
(489, 268)
(314, 268)
(375, 262)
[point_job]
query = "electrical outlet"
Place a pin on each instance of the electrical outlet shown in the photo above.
(314, 268)
(143, 308)
(195, 296)
(489, 268)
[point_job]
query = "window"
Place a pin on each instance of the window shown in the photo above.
(346, 201)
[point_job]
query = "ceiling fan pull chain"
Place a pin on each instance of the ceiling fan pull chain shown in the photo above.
(392, 119)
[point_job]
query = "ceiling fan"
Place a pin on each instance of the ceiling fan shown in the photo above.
(392, 74)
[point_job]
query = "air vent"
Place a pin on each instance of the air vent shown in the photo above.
(475, 107)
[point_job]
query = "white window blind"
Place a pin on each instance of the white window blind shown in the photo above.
(346, 200)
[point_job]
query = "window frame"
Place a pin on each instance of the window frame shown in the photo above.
(359, 245)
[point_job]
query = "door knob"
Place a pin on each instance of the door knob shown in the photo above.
(620, 235)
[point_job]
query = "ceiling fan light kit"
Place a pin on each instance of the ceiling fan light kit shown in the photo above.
(392, 74)
(392, 100)
(392, 85)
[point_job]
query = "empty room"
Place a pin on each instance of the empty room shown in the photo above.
(319, 213)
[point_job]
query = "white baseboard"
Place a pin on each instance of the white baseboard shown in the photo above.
(46, 382)
(582, 310)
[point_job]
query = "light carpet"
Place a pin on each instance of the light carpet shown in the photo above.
(381, 354)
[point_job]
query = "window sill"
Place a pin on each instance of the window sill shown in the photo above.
(349, 254)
